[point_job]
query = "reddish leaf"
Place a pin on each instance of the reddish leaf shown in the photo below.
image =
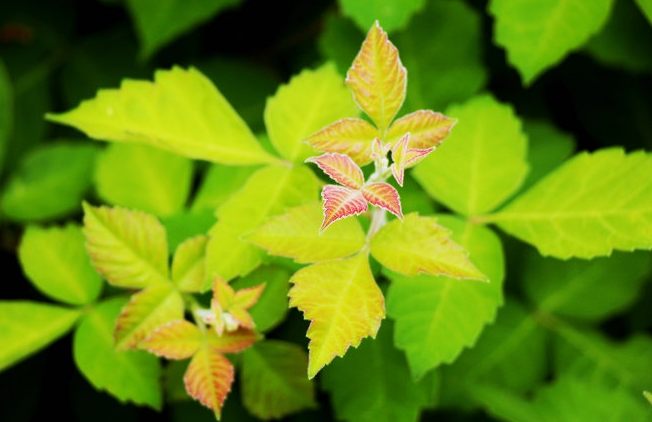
(383, 195)
(352, 137)
(229, 308)
(340, 202)
(377, 78)
(232, 341)
(405, 157)
(427, 129)
(208, 379)
(340, 168)
(178, 339)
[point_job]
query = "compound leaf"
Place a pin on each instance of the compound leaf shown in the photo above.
(341, 202)
(341, 168)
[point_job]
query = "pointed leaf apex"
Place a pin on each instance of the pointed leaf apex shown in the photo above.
(341, 168)
(383, 195)
(340, 202)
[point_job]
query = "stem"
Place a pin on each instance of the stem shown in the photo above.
(378, 220)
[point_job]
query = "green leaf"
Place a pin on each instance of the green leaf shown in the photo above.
(165, 114)
(274, 382)
(143, 177)
(50, 182)
(548, 148)
(343, 303)
(272, 306)
(373, 383)
(296, 234)
(436, 316)
(340, 40)
(189, 264)
(593, 204)
(160, 21)
(6, 112)
(646, 8)
(648, 396)
(127, 247)
(57, 263)
(393, 14)
(481, 163)
(439, 74)
(538, 36)
(26, 327)
(417, 245)
(219, 183)
(310, 101)
(127, 375)
(589, 290)
(269, 191)
(186, 224)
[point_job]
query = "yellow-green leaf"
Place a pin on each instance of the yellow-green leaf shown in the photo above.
(352, 137)
(189, 264)
(343, 303)
(181, 111)
(177, 339)
(209, 378)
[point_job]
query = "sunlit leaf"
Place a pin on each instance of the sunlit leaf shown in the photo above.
(56, 262)
(383, 195)
(377, 78)
(296, 235)
(145, 311)
(218, 184)
(209, 378)
(189, 264)
(340, 168)
(427, 129)
(274, 382)
(341, 202)
(157, 114)
(647, 394)
(646, 8)
(310, 101)
(26, 327)
(594, 203)
(539, 35)
(548, 148)
(404, 157)
(393, 14)
(127, 247)
(343, 303)
(230, 308)
(177, 339)
(352, 137)
(232, 341)
(420, 245)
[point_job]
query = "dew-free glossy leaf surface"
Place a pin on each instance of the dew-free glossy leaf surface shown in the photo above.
(349, 136)
(178, 339)
(481, 163)
(437, 317)
(539, 34)
(548, 148)
(295, 234)
(209, 378)
(144, 178)
(593, 204)
(189, 264)
(274, 382)
(343, 303)
(56, 262)
(163, 114)
(310, 101)
(127, 247)
(383, 195)
(341, 168)
(392, 14)
(26, 327)
(427, 129)
(341, 202)
(127, 375)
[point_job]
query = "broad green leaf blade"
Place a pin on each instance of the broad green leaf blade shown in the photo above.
(343, 303)
(127, 247)
(377, 78)
(146, 310)
(160, 21)
(269, 191)
(26, 327)
(548, 148)
(219, 183)
(482, 162)
(352, 137)
(209, 378)
(56, 262)
(646, 8)
(437, 317)
(589, 290)
(144, 178)
(420, 245)
(539, 34)
(373, 384)
(393, 14)
(50, 182)
(166, 114)
(341, 202)
(310, 101)
(177, 339)
(6, 112)
(295, 234)
(274, 382)
(593, 204)
(340, 168)
(127, 375)
(189, 264)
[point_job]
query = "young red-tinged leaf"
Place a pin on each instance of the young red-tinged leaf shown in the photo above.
(349, 136)
(129, 248)
(223, 293)
(377, 78)
(419, 245)
(427, 129)
(383, 195)
(296, 235)
(229, 308)
(189, 264)
(146, 310)
(209, 378)
(379, 150)
(232, 341)
(340, 202)
(246, 298)
(343, 303)
(177, 339)
(340, 168)
(404, 157)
